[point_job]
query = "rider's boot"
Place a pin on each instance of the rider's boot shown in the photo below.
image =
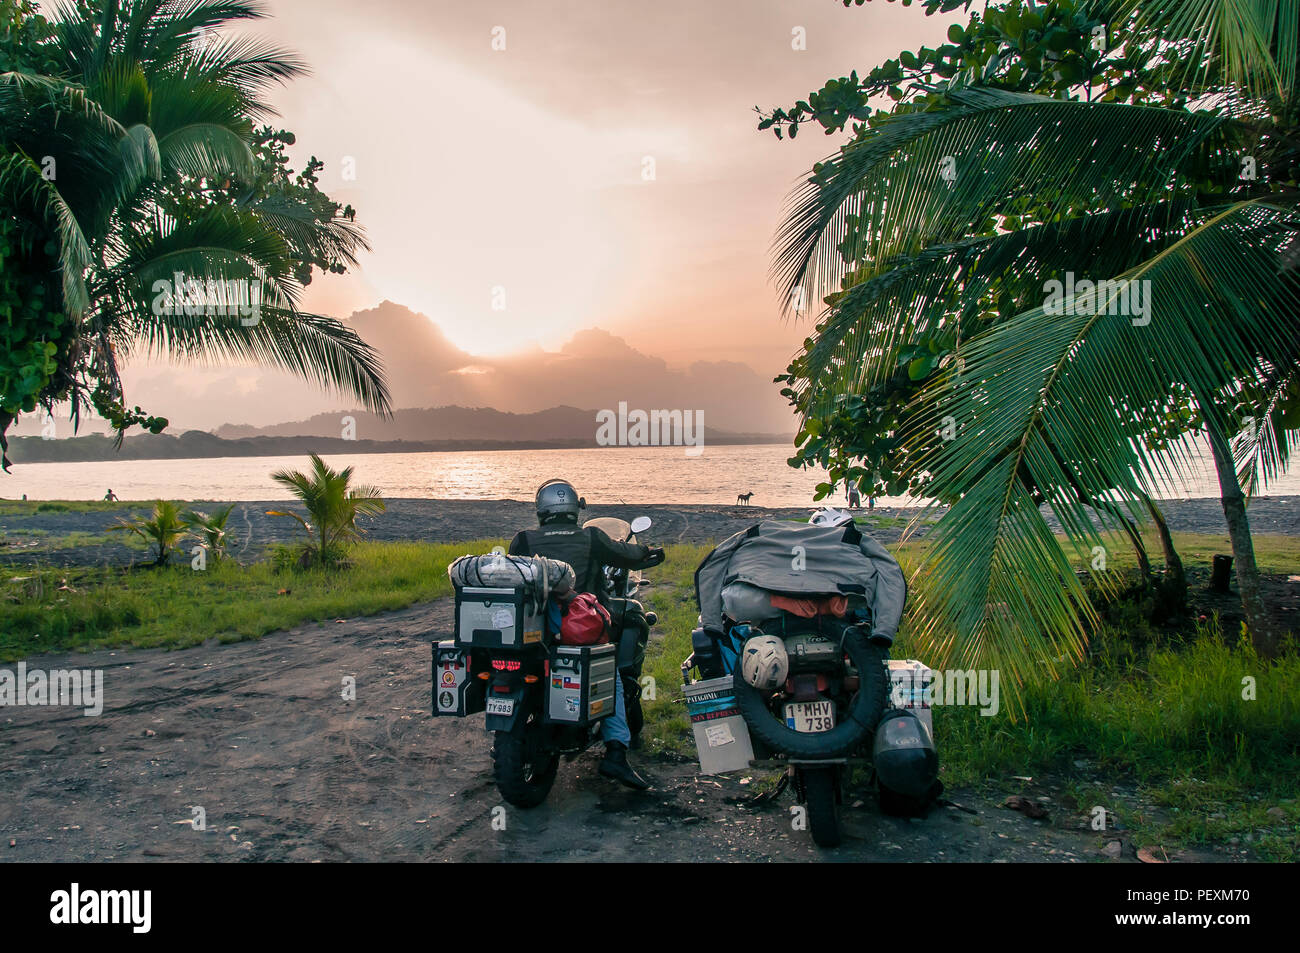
(614, 765)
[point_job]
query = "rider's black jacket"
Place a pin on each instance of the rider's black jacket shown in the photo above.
(587, 549)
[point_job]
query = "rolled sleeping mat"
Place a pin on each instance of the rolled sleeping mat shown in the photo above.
(537, 574)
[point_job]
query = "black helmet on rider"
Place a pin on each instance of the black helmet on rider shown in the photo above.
(558, 502)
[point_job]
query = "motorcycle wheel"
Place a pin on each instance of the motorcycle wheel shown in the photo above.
(819, 787)
(523, 771)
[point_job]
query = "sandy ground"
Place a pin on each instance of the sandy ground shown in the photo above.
(258, 735)
(440, 521)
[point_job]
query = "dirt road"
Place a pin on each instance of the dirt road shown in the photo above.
(257, 734)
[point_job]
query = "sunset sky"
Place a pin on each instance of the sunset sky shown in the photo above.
(520, 172)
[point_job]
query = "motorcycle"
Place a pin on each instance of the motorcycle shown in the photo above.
(817, 724)
(622, 583)
(542, 700)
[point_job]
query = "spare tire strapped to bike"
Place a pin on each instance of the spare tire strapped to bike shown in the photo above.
(864, 712)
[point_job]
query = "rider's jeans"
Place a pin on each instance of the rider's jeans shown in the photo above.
(615, 728)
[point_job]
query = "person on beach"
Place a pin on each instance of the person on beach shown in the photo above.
(855, 498)
(110, 496)
(588, 550)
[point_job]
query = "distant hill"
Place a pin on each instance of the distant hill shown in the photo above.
(536, 392)
(437, 429)
(437, 423)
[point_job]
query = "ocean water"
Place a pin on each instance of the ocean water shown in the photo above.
(610, 474)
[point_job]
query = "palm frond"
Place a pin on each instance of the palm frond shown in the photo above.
(316, 348)
(1262, 451)
(246, 62)
(1054, 403)
(22, 92)
(1248, 44)
(207, 151)
(886, 194)
(22, 185)
(337, 240)
(943, 285)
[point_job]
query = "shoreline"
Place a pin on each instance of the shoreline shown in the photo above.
(451, 521)
(97, 448)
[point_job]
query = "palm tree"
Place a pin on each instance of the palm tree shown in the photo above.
(136, 161)
(209, 530)
(1112, 177)
(162, 528)
(333, 506)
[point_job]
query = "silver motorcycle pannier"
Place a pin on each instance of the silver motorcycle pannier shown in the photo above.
(498, 618)
(582, 682)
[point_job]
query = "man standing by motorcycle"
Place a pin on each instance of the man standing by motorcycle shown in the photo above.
(588, 550)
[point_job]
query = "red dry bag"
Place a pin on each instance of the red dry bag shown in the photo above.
(585, 622)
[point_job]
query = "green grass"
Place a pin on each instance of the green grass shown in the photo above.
(33, 507)
(73, 540)
(673, 597)
(176, 606)
(1169, 719)
(1163, 714)
(1273, 554)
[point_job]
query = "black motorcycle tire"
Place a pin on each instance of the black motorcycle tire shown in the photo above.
(865, 712)
(823, 806)
(520, 781)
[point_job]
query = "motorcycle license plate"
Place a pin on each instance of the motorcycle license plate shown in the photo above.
(811, 717)
(500, 706)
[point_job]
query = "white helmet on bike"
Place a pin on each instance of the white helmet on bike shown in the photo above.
(764, 662)
(830, 516)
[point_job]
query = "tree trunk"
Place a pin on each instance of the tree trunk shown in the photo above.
(1127, 525)
(1131, 531)
(6, 421)
(1262, 633)
(1175, 574)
